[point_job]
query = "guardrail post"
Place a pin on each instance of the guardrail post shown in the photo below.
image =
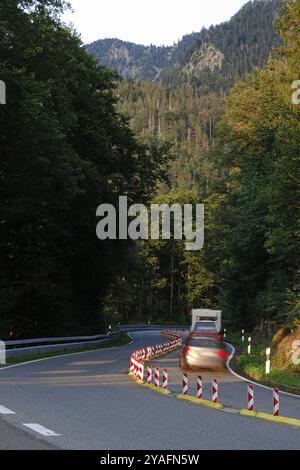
(2, 92)
(2, 353)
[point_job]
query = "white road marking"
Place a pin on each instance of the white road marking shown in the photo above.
(6, 411)
(249, 380)
(41, 429)
(231, 410)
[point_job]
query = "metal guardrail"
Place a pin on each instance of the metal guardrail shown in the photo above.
(57, 340)
(40, 345)
(23, 351)
(152, 327)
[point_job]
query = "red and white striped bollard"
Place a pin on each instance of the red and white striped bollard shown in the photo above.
(156, 377)
(215, 391)
(141, 375)
(276, 402)
(185, 384)
(165, 379)
(131, 365)
(149, 374)
(250, 397)
(199, 387)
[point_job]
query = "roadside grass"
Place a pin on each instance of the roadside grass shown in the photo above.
(122, 341)
(253, 365)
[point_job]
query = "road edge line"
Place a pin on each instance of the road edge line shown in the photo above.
(249, 380)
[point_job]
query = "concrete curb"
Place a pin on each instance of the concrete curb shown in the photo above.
(200, 402)
(219, 406)
(269, 417)
(157, 389)
(150, 386)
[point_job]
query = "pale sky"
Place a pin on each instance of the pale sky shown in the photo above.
(160, 22)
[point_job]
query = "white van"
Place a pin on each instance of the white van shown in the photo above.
(199, 315)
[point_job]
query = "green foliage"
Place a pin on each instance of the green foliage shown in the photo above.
(253, 365)
(176, 115)
(259, 138)
(245, 168)
(68, 144)
(245, 41)
(65, 149)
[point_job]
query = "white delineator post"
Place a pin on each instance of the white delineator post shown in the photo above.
(185, 384)
(225, 332)
(243, 336)
(156, 377)
(199, 387)
(165, 379)
(249, 344)
(149, 374)
(2, 353)
(268, 360)
(2, 92)
(215, 391)
(276, 402)
(250, 397)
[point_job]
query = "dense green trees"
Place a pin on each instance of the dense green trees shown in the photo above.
(245, 41)
(65, 149)
(246, 171)
(260, 149)
(178, 115)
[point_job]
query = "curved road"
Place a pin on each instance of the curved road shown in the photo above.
(87, 401)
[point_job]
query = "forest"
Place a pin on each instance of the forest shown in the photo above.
(75, 135)
(239, 155)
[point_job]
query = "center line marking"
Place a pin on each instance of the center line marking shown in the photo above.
(41, 429)
(6, 411)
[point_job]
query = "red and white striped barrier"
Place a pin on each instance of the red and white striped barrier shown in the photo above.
(199, 387)
(185, 384)
(156, 377)
(215, 391)
(141, 371)
(165, 379)
(275, 402)
(141, 355)
(250, 397)
(149, 374)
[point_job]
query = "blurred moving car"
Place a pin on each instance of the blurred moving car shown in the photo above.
(203, 351)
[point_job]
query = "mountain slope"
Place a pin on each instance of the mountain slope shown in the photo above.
(242, 42)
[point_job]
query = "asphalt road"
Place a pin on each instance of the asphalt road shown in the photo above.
(88, 402)
(232, 389)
